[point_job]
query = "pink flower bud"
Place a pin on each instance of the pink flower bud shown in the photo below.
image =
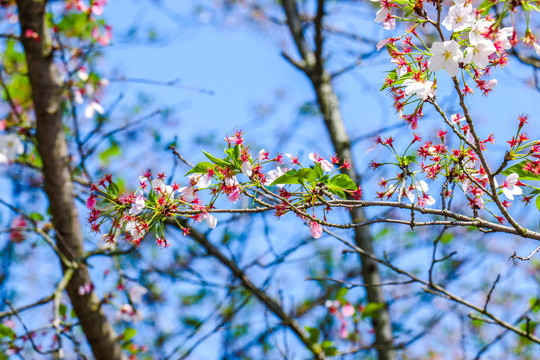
(315, 229)
(91, 202)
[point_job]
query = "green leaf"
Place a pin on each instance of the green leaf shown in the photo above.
(62, 310)
(192, 322)
(6, 332)
(290, 177)
(477, 323)
(313, 335)
(406, 160)
(113, 151)
(112, 190)
(128, 334)
(535, 305)
(317, 171)
(340, 295)
(372, 310)
(237, 154)
(216, 160)
(328, 348)
(337, 190)
(36, 217)
(446, 238)
(343, 181)
(152, 198)
(200, 168)
(538, 202)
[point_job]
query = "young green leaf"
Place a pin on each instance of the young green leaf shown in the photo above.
(200, 168)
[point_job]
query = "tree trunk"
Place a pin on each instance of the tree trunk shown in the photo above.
(312, 65)
(52, 147)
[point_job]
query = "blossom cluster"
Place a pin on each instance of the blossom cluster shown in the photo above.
(147, 209)
(475, 45)
(461, 166)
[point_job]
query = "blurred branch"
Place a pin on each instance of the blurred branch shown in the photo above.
(266, 300)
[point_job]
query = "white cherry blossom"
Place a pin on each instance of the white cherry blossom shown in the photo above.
(422, 89)
(136, 293)
(159, 184)
(133, 230)
(247, 168)
(479, 53)
(502, 37)
(510, 188)
(137, 206)
(187, 193)
(11, 146)
(203, 180)
(479, 30)
(211, 220)
(446, 55)
(92, 108)
(410, 191)
(273, 175)
(459, 17)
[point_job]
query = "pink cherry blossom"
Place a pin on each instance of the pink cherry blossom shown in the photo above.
(325, 164)
(315, 229)
(347, 310)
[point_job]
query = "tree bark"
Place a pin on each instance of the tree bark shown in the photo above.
(52, 147)
(312, 66)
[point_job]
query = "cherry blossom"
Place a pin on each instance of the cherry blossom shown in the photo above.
(501, 38)
(83, 74)
(420, 185)
(136, 293)
(456, 118)
(422, 89)
(18, 225)
(92, 108)
(383, 15)
(459, 17)
(480, 30)
(202, 180)
(137, 206)
(347, 310)
(479, 53)
(134, 230)
(536, 48)
(325, 164)
(315, 229)
(510, 188)
(85, 289)
(446, 55)
(247, 168)
(10, 147)
(129, 314)
(211, 220)
(103, 38)
(187, 193)
(273, 175)
(263, 155)
(159, 185)
(91, 201)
